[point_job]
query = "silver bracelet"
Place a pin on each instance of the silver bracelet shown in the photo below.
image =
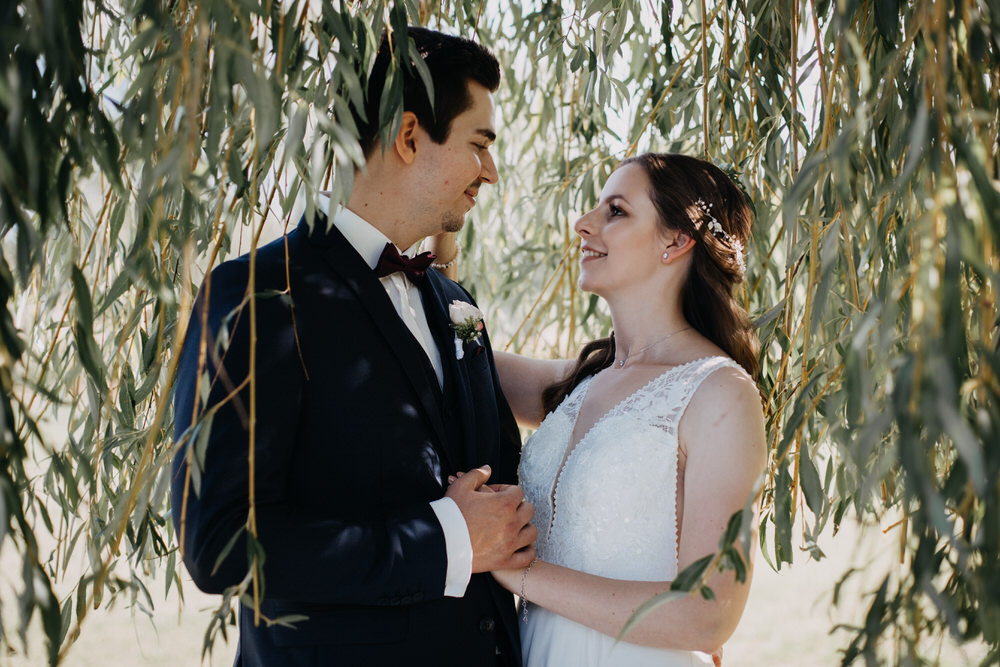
(448, 265)
(524, 600)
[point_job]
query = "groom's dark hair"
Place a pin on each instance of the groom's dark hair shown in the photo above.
(452, 62)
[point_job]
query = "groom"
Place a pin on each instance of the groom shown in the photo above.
(336, 378)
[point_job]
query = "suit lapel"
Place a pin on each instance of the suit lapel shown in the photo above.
(358, 276)
(457, 385)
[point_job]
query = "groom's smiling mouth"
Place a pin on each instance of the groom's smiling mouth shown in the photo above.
(472, 192)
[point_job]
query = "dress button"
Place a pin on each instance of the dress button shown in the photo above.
(486, 625)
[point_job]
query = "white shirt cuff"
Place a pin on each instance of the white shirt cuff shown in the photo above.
(457, 544)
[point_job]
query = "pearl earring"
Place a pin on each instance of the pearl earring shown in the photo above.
(666, 255)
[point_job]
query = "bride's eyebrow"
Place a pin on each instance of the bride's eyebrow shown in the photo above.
(611, 198)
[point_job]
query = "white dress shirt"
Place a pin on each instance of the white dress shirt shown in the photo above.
(369, 243)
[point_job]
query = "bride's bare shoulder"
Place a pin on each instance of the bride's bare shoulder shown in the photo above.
(725, 410)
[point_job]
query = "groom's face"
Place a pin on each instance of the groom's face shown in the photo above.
(452, 172)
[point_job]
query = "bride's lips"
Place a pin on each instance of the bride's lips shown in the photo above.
(588, 254)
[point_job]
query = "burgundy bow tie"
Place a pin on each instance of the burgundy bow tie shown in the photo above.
(391, 261)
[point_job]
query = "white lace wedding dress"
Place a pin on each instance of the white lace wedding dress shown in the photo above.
(608, 507)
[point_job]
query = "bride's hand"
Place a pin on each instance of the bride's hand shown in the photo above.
(485, 487)
(445, 247)
(496, 488)
(506, 578)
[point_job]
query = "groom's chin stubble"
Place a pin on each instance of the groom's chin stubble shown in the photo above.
(453, 223)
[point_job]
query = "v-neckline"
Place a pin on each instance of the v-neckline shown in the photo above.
(638, 390)
(573, 446)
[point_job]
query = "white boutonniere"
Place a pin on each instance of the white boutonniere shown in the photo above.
(467, 323)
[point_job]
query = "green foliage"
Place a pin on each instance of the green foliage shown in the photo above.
(141, 143)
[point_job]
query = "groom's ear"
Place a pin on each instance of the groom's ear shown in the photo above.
(405, 144)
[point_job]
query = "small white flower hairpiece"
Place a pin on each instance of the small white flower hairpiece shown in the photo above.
(719, 233)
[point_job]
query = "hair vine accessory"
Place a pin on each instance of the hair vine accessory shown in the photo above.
(719, 233)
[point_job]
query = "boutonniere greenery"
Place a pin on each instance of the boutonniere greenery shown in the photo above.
(467, 323)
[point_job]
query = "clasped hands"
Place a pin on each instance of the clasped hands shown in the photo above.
(499, 520)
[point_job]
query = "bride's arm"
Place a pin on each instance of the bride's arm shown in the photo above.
(724, 429)
(523, 379)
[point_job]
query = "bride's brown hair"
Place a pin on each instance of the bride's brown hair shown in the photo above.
(689, 194)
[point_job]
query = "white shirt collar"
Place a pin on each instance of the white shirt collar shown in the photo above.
(361, 234)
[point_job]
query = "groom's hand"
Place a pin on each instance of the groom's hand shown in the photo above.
(499, 521)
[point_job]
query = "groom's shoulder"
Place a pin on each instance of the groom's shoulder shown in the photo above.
(450, 289)
(227, 286)
(268, 260)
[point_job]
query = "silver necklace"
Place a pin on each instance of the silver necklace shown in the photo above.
(628, 353)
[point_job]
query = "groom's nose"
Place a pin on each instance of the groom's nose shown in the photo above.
(488, 172)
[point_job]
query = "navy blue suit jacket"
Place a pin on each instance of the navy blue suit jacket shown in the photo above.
(354, 437)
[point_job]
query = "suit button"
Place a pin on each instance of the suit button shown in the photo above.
(486, 625)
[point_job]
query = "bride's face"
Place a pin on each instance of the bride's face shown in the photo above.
(622, 242)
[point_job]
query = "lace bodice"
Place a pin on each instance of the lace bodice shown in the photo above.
(608, 507)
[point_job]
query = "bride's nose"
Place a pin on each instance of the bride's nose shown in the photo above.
(584, 227)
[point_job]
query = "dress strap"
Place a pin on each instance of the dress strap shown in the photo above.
(671, 392)
(697, 371)
(571, 404)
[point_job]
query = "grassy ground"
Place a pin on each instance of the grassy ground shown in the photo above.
(787, 620)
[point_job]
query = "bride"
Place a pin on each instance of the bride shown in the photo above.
(653, 438)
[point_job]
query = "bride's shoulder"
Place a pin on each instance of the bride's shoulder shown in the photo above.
(727, 399)
(722, 381)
